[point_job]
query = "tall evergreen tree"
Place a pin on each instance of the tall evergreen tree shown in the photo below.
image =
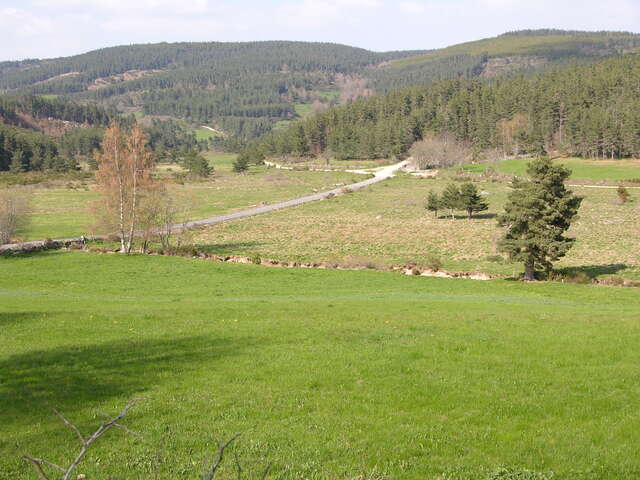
(433, 202)
(538, 213)
(451, 198)
(470, 199)
(18, 162)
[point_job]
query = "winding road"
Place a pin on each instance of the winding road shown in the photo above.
(379, 174)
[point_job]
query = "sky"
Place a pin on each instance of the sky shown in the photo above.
(54, 28)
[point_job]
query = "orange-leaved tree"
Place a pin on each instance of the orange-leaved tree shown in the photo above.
(124, 177)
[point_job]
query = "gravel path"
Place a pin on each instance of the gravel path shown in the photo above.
(379, 174)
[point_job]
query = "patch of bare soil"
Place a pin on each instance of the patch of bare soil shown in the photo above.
(121, 77)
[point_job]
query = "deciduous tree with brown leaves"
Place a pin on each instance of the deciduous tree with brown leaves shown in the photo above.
(123, 177)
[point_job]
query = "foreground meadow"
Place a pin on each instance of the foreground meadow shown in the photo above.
(330, 374)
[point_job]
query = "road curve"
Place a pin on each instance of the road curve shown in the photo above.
(379, 174)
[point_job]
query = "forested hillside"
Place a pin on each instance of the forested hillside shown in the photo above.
(39, 134)
(247, 89)
(590, 110)
(241, 88)
(507, 53)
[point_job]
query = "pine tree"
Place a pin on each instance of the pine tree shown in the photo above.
(433, 203)
(537, 214)
(18, 162)
(241, 164)
(451, 198)
(471, 200)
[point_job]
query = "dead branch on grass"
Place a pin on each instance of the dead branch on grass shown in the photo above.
(85, 442)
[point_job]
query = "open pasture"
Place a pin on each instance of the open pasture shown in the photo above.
(331, 374)
(65, 210)
(582, 169)
(388, 224)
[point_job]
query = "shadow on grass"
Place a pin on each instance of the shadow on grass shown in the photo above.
(15, 318)
(71, 377)
(476, 216)
(593, 271)
(226, 248)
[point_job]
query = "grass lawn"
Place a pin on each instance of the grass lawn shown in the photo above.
(61, 211)
(205, 134)
(303, 109)
(330, 374)
(583, 169)
(221, 161)
(388, 224)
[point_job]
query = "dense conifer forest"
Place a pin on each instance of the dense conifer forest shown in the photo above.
(246, 89)
(588, 110)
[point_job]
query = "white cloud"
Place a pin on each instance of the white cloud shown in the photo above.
(24, 24)
(161, 7)
(412, 8)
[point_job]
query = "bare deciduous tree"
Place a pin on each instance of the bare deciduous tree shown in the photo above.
(13, 206)
(162, 218)
(510, 133)
(123, 176)
(440, 151)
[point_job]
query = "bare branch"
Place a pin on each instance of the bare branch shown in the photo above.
(118, 425)
(97, 434)
(37, 465)
(238, 467)
(71, 426)
(266, 471)
(208, 475)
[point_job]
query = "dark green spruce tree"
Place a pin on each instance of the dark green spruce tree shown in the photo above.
(538, 213)
(470, 199)
(433, 203)
(451, 198)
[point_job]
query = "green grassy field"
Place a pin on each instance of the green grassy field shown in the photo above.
(62, 211)
(330, 374)
(205, 134)
(545, 45)
(303, 109)
(582, 169)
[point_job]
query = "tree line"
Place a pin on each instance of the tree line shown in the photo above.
(586, 110)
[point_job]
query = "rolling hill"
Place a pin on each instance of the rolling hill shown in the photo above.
(245, 90)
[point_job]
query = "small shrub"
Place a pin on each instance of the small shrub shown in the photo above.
(623, 194)
(617, 281)
(613, 280)
(256, 260)
(433, 262)
(570, 277)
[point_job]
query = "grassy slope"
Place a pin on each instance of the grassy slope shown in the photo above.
(387, 223)
(582, 169)
(332, 374)
(205, 134)
(506, 46)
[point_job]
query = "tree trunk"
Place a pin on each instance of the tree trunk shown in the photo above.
(529, 271)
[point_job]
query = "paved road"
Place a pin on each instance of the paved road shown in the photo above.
(379, 174)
